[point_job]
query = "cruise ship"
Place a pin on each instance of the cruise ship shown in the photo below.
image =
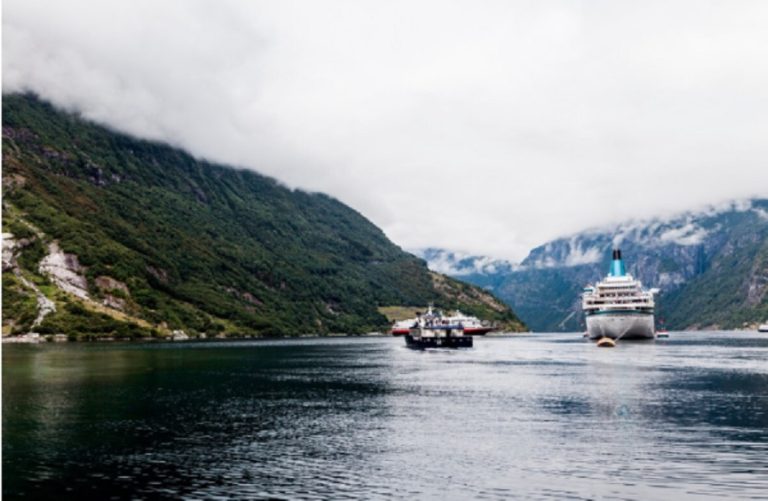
(618, 307)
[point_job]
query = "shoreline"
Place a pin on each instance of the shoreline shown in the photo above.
(35, 338)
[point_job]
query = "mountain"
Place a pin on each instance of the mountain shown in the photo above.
(711, 267)
(105, 234)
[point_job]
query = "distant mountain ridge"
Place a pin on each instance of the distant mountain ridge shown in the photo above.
(711, 266)
(458, 264)
(109, 235)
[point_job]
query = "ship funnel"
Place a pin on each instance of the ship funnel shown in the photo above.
(617, 264)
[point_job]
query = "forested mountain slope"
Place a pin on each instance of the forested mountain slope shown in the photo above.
(128, 237)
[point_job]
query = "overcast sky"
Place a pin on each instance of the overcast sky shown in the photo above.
(478, 126)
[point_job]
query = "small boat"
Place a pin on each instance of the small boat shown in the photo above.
(437, 336)
(762, 327)
(606, 342)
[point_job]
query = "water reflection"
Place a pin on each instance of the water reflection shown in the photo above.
(533, 416)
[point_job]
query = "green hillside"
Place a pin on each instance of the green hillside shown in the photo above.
(730, 292)
(163, 241)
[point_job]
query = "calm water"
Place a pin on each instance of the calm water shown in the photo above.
(544, 416)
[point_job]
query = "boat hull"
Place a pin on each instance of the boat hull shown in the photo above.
(477, 331)
(421, 343)
(621, 325)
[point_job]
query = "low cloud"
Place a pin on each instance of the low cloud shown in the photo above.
(689, 234)
(486, 128)
(579, 256)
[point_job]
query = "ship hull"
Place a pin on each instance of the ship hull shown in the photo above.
(421, 343)
(477, 331)
(621, 325)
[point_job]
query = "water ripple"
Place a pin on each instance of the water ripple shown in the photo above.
(532, 417)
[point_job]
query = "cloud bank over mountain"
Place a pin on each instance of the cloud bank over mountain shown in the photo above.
(483, 128)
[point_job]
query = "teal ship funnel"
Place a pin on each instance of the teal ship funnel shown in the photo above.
(617, 265)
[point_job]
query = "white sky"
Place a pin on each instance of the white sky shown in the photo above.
(484, 127)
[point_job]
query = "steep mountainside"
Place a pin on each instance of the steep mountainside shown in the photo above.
(711, 268)
(129, 237)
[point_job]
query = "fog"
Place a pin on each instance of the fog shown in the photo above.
(481, 127)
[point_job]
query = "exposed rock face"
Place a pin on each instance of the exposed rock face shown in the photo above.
(9, 251)
(65, 271)
(179, 335)
(108, 284)
(10, 248)
(44, 305)
(116, 303)
(110, 287)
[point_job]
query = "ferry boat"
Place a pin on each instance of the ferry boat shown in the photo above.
(471, 326)
(429, 334)
(618, 307)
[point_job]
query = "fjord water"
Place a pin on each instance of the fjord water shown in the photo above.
(531, 416)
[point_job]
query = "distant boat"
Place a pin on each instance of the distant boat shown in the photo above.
(762, 327)
(402, 327)
(472, 326)
(618, 307)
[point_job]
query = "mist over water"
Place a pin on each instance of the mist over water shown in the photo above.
(536, 416)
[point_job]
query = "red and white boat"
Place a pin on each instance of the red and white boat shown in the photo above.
(402, 327)
(473, 326)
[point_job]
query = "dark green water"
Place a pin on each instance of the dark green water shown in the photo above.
(544, 416)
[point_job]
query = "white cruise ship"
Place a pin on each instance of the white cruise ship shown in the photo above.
(618, 307)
